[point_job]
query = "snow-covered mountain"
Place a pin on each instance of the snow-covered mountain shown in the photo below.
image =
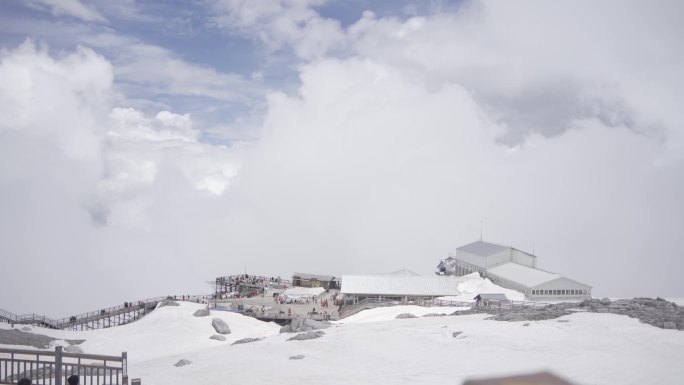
(375, 347)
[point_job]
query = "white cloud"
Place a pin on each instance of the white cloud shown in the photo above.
(150, 71)
(369, 169)
(562, 138)
(537, 66)
(72, 8)
(83, 183)
(281, 23)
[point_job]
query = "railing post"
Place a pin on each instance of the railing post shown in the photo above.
(58, 365)
(124, 368)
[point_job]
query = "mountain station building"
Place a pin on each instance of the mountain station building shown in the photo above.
(512, 269)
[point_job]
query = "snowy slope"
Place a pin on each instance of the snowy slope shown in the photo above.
(473, 285)
(584, 347)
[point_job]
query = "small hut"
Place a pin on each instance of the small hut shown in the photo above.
(315, 280)
(490, 299)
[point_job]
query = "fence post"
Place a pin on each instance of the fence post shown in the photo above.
(124, 368)
(58, 365)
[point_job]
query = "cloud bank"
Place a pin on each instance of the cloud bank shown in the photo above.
(556, 125)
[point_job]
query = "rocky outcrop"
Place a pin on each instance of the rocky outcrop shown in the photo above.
(657, 312)
(307, 336)
(405, 316)
(73, 349)
(245, 341)
(299, 325)
(220, 326)
(201, 313)
(182, 362)
(17, 337)
(167, 302)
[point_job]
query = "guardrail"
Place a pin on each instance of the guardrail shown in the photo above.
(370, 303)
(71, 321)
(53, 368)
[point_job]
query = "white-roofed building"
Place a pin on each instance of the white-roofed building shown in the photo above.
(399, 287)
(512, 269)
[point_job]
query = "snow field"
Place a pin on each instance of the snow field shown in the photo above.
(373, 347)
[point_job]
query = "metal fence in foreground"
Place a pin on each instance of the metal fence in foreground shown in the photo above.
(53, 368)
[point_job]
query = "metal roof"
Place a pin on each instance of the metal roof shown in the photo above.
(526, 276)
(319, 277)
(492, 297)
(424, 285)
(404, 272)
(482, 249)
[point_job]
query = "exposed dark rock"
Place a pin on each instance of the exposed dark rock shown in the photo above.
(434, 315)
(656, 312)
(456, 334)
(297, 357)
(17, 337)
(218, 337)
(167, 302)
(245, 341)
(220, 326)
(75, 342)
(182, 362)
(405, 315)
(299, 325)
(73, 349)
(307, 336)
(201, 313)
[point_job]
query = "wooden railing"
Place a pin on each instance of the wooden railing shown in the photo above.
(53, 368)
(71, 321)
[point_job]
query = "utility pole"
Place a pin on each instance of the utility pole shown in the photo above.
(481, 224)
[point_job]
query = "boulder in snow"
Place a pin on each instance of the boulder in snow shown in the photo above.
(405, 315)
(17, 337)
(220, 326)
(201, 313)
(245, 341)
(167, 302)
(73, 349)
(456, 334)
(218, 337)
(307, 336)
(299, 325)
(182, 362)
(297, 357)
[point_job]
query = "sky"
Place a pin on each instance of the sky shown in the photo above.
(147, 147)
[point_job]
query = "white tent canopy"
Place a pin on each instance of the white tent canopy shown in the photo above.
(303, 292)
